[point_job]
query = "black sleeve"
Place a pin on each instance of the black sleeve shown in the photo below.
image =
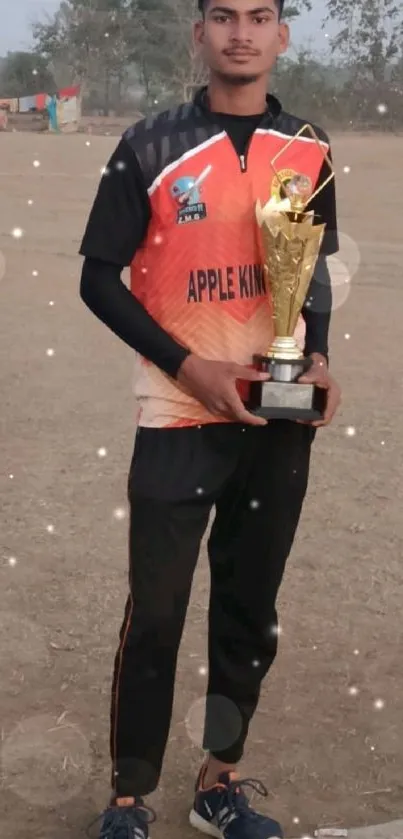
(116, 228)
(106, 295)
(121, 211)
(318, 305)
(317, 311)
(324, 207)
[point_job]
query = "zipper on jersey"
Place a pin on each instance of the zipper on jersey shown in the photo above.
(242, 160)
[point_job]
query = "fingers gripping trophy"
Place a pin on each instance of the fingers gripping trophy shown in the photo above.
(291, 244)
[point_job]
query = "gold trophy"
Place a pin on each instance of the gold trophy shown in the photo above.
(291, 243)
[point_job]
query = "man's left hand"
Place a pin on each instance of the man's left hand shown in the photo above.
(319, 375)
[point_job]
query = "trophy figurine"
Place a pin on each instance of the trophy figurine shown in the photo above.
(291, 243)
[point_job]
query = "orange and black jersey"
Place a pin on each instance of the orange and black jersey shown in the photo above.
(177, 204)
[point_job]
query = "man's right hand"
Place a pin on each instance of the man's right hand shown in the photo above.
(213, 383)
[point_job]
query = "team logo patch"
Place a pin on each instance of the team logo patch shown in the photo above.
(187, 193)
(278, 184)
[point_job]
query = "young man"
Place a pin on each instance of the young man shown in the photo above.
(177, 205)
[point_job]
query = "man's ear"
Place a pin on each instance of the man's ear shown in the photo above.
(198, 33)
(283, 38)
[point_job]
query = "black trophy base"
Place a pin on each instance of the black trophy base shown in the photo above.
(283, 397)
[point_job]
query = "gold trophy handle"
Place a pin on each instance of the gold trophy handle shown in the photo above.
(320, 144)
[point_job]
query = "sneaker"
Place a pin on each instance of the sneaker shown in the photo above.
(125, 822)
(224, 810)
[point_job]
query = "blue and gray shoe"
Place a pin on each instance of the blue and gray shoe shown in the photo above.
(224, 810)
(125, 822)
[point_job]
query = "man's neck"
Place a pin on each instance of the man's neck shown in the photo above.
(238, 100)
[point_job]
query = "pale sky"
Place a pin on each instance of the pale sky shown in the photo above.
(16, 16)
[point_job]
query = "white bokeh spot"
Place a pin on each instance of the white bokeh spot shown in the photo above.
(46, 760)
(224, 709)
(17, 232)
(340, 279)
(349, 254)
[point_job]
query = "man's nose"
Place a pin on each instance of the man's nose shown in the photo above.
(241, 32)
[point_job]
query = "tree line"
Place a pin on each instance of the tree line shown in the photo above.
(138, 54)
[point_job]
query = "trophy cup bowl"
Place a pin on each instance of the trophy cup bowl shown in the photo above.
(291, 245)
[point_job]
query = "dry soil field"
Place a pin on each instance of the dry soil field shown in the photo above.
(327, 739)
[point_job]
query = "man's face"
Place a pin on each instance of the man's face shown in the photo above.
(241, 39)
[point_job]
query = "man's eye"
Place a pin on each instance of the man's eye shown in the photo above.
(221, 18)
(261, 19)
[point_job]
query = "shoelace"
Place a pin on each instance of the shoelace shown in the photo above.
(126, 821)
(234, 798)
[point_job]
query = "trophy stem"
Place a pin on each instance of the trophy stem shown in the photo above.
(285, 349)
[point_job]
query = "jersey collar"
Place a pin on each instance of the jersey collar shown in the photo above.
(271, 114)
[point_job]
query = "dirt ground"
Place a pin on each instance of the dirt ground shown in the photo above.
(327, 737)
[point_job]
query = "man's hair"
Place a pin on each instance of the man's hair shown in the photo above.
(203, 3)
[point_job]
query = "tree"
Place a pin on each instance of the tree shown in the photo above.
(371, 34)
(370, 43)
(292, 12)
(167, 56)
(93, 39)
(24, 74)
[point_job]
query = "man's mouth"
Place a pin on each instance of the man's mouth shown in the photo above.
(240, 53)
